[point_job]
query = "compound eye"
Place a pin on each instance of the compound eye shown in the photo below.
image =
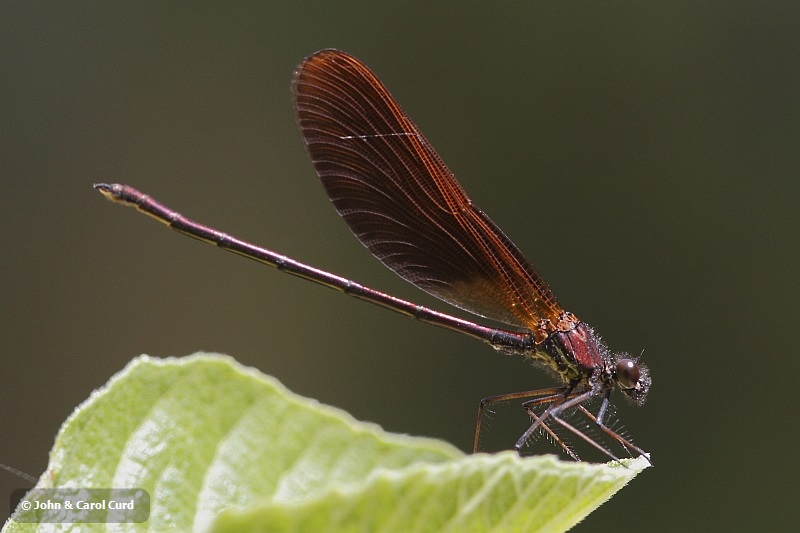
(627, 373)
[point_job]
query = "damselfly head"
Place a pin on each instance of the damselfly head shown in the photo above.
(632, 377)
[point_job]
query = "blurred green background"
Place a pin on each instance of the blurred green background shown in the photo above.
(644, 157)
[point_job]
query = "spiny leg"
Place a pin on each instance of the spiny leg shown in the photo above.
(486, 402)
(567, 401)
(576, 402)
(538, 423)
(625, 443)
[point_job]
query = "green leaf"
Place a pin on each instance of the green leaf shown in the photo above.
(480, 493)
(222, 447)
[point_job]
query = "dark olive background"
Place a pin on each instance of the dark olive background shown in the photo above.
(645, 158)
